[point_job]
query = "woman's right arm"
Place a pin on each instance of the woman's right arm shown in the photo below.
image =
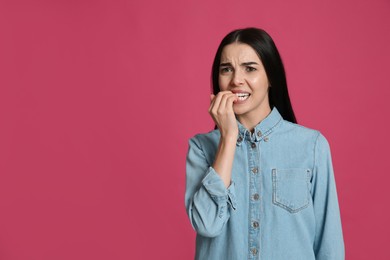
(209, 191)
(221, 110)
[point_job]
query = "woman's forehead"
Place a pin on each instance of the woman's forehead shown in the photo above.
(240, 52)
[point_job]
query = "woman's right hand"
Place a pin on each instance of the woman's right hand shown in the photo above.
(221, 110)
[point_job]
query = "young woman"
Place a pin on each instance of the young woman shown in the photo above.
(259, 186)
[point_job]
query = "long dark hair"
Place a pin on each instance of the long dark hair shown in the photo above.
(265, 48)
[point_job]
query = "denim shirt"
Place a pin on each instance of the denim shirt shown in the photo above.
(281, 203)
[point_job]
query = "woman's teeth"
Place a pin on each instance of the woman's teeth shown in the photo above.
(242, 96)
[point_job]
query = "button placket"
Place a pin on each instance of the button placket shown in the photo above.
(254, 204)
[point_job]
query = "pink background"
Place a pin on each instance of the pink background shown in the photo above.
(99, 98)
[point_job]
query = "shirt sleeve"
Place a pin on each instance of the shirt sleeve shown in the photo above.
(329, 243)
(208, 202)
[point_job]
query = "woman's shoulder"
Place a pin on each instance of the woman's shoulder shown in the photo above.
(206, 142)
(302, 131)
(303, 136)
(204, 138)
(299, 127)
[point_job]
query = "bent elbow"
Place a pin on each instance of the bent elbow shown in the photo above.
(209, 227)
(208, 231)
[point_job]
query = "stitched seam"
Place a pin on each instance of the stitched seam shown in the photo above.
(314, 163)
(272, 128)
(294, 124)
(280, 204)
(314, 152)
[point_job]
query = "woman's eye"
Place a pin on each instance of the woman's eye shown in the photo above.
(249, 69)
(226, 69)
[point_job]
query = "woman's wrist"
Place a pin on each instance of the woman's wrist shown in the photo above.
(228, 138)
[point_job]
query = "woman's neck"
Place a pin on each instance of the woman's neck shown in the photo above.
(250, 121)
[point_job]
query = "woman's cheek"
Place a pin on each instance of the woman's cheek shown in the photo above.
(223, 84)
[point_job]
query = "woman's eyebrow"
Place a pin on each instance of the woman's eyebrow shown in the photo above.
(249, 63)
(225, 64)
(242, 64)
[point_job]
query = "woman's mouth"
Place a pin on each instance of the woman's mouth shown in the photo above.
(242, 96)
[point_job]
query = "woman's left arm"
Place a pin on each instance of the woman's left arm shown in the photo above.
(329, 242)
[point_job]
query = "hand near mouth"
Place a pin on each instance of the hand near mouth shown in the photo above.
(221, 110)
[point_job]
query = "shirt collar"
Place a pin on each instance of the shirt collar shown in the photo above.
(262, 129)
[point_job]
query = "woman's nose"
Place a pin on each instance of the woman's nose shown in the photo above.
(238, 78)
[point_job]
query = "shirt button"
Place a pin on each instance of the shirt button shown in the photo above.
(253, 145)
(259, 133)
(255, 224)
(254, 251)
(255, 170)
(266, 139)
(256, 196)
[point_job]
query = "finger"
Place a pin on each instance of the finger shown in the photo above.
(212, 101)
(217, 101)
(229, 102)
(222, 104)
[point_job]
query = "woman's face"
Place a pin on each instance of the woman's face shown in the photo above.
(242, 73)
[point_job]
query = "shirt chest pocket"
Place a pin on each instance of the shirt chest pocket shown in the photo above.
(291, 188)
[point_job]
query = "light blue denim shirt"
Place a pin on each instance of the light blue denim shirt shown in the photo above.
(281, 203)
